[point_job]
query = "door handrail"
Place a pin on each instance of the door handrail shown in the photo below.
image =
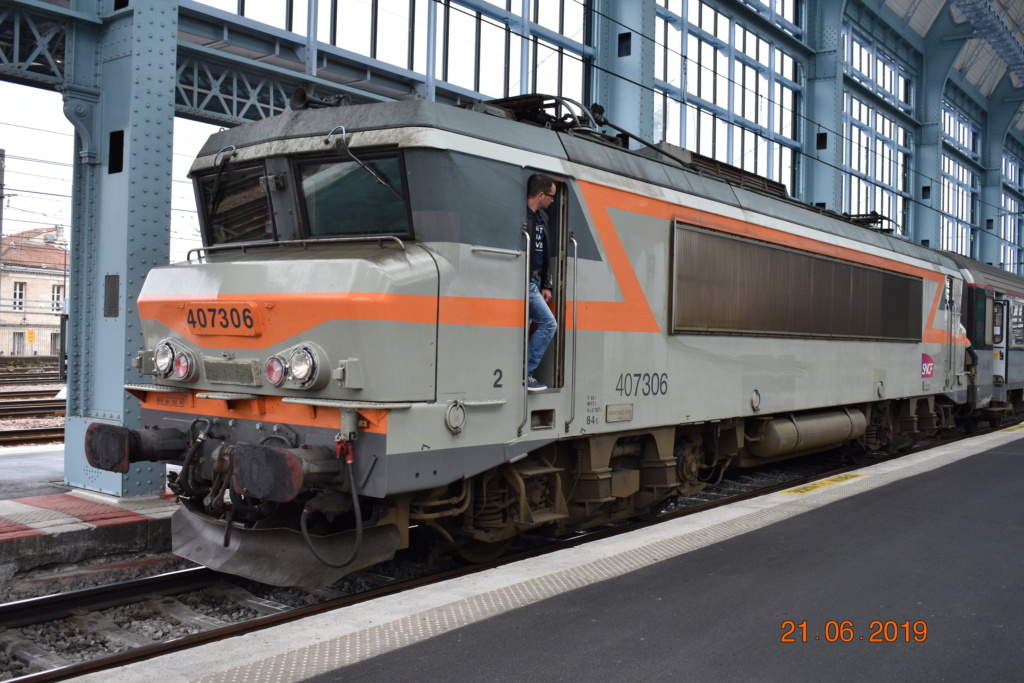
(526, 330)
(575, 308)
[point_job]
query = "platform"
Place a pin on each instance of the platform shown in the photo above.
(44, 522)
(934, 538)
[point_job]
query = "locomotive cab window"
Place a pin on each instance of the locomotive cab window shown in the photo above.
(235, 207)
(343, 197)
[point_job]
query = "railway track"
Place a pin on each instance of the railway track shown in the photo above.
(183, 598)
(34, 393)
(32, 407)
(37, 378)
(34, 435)
(112, 614)
(33, 377)
(23, 412)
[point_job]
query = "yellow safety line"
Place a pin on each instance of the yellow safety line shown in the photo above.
(816, 485)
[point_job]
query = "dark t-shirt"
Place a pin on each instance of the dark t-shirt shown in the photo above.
(539, 242)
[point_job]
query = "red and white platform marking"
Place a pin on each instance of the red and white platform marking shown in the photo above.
(77, 511)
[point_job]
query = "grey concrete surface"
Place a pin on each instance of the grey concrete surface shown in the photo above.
(31, 471)
(944, 548)
(934, 537)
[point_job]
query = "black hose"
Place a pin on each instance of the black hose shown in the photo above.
(354, 487)
(186, 467)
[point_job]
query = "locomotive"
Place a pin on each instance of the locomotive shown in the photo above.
(341, 365)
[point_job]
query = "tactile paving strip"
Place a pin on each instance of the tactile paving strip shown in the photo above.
(356, 646)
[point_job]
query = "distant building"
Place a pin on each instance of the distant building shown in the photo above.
(33, 287)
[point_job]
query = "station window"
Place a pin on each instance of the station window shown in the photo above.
(960, 133)
(959, 200)
(877, 148)
(1011, 217)
(19, 296)
(726, 91)
(476, 44)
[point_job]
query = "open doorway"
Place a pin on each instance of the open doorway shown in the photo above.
(551, 370)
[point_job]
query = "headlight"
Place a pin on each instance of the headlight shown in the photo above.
(302, 365)
(163, 359)
(274, 371)
(183, 366)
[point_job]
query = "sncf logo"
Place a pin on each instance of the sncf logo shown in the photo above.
(927, 366)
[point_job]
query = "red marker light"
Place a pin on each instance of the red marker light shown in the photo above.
(274, 371)
(182, 366)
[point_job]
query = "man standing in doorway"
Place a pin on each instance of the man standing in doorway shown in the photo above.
(540, 194)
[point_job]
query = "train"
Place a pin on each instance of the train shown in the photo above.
(339, 372)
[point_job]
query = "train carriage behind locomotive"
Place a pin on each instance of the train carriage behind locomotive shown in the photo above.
(993, 313)
(343, 360)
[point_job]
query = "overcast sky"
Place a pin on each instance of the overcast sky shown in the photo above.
(39, 145)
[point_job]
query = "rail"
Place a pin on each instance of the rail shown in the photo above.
(36, 407)
(21, 437)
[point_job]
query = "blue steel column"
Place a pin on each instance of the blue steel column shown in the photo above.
(122, 83)
(624, 77)
(942, 45)
(1001, 115)
(820, 177)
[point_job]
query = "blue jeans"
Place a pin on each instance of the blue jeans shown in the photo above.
(546, 326)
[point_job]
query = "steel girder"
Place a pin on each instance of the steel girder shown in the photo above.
(231, 69)
(32, 43)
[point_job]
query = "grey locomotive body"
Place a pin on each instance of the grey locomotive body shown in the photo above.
(343, 361)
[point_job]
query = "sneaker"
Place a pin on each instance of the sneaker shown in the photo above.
(534, 385)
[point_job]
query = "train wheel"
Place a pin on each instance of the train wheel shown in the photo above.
(480, 552)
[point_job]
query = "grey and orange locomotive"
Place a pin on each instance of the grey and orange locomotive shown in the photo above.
(343, 362)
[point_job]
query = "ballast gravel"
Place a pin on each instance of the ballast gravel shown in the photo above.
(10, 667)
(69, 642)
(143, 621)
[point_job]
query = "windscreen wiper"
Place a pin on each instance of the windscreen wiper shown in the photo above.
(376, 176)
(217, 188)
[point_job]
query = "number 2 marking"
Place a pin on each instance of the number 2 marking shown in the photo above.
(497, 378)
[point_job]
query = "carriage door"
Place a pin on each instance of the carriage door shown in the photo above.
(999, 342)
(953, 325)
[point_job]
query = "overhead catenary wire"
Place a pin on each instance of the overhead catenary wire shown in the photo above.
(906, 195)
